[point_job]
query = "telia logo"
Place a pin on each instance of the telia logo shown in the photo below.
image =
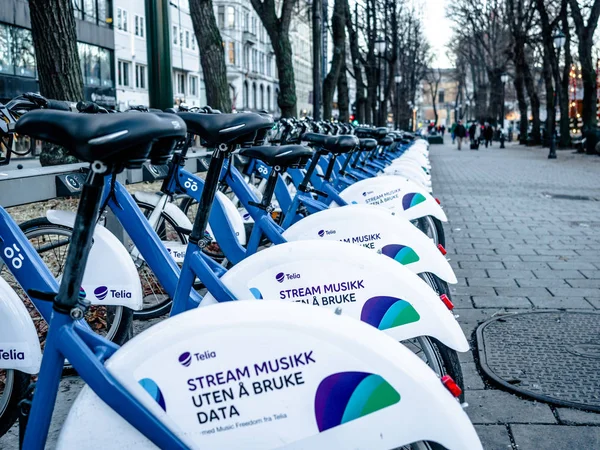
(290, 276)
(367, 193)
(326, 232)
(185, 359)
(101, 292)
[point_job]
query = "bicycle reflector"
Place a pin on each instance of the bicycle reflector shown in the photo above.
(442, 249)
(438, 201)
(444, 298)
(451, 385)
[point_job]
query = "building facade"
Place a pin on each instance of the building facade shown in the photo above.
(18, 70)
(113, 52)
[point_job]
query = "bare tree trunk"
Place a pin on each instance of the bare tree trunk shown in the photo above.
(278, 29)
(339, 55)
(565, 128)
(534, 101)
(585, 33)
(361, 100)
(520, 89)
(212, 55)
(343, 97)
(550, 104)
(59, 72)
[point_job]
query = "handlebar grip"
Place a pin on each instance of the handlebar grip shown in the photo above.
(59, 105)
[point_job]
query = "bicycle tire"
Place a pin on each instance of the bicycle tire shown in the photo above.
(163, 307)
(120, 330)
(11, 396)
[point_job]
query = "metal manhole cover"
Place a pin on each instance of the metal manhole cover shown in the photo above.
(551, 356)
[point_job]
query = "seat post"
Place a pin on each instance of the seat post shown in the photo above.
(330, 167)
(81, 240)
(209, 192)
(303, 187)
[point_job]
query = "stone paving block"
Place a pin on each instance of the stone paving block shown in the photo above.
(471, 376)
(466, 273)
(537, 437)
(564, 274)
(560, 302)
(527, 265)
(514, 258)
(571, 265)
(569, 416)
(594, 301)
(481, 265)
(472, 290)
(510, 273)
(494, 437)
(489, 301)
(494, 406)
(593, 283)
(494, 282)
(470, 318)
(554, 252)
(545, 258)
(537, 282)
(575, 292)
(522, 291)
(462, 301)
(515, 251)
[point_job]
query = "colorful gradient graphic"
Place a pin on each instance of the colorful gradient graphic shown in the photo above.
(388, 312)
(412, 199)
(82, 292)
(346, 396)
(256, 293)
(101, 292)
(401, 253)
(152, 388)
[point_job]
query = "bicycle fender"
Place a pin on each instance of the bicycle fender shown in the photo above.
(378, 229)
(398, 194)
(233, 216)
(407, 170)
(272, 375)
(19, 343)
(337, 275)
(111, 277)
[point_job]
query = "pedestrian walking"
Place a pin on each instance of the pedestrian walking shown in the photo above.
(488, 135)
(452, 128)
(510, 133)
(473, 131)
(443, 130)
(461, 132)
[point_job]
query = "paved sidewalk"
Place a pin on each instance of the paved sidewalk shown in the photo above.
(514, 247)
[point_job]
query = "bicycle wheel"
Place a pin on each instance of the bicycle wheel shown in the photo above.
(157, 301)
(432, 227)
(13, 385)
(52, 242)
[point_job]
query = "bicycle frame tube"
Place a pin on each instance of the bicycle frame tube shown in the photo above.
(87, 353)
(25, 264)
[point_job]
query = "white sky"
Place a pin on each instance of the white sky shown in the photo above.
(438, 30)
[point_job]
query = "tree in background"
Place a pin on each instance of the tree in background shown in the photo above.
(338, 21)
(59, 72)
(433, 79)
(278, 29)
(212, 55)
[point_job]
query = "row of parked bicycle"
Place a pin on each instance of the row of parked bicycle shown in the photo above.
(336, 222)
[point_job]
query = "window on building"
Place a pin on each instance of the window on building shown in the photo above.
(231, 53)
(275, 97)
(89, 10)
(140, 26)
(98, 12)
(123, 75)
(181, 37)
(246, 21)
(122, 20)
(269, 98)
(187, 39)
(254, 104)
(245, 95)
(441, 97)
(269, 65)
(140, 76)
(254, 60)
(175, 34)
(180, 83)
(262, 97)
(193, 86)
(246, 57)
(231, 17)
(221, 16)
(253, 25)
(193, 42)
